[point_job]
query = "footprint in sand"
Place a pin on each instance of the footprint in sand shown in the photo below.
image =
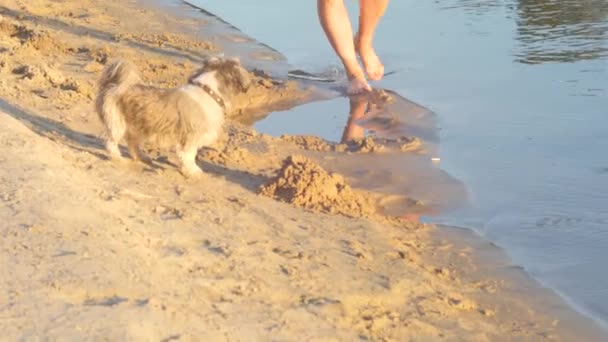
(358, 249)
(217, 249)
(107, 301)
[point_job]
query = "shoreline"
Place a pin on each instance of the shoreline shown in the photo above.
(500, 253)
(490, 255)
(271, 258)
(562, 297)
(570, 303)
(563, 300)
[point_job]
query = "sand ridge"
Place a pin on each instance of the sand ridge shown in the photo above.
(95, 250)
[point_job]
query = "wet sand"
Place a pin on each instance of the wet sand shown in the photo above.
(268, 245)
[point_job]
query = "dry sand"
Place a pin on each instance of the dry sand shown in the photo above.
(94, 250)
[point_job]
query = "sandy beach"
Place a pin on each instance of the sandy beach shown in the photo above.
(268, 245)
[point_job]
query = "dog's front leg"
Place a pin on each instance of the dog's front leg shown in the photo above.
(187, 159)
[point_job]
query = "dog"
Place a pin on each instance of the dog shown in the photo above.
(187, 117)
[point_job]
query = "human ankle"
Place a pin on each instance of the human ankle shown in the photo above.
(357, 86)
(358, 75)
(353, 69)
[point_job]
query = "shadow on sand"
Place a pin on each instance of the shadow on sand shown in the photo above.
(83, 142)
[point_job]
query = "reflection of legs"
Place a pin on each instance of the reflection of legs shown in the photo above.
(370, 12)
(352, 131)
(334, 20)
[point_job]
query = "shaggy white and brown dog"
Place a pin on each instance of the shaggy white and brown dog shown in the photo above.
(187, 118)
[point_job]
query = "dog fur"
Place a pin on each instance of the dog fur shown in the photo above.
(187, 117)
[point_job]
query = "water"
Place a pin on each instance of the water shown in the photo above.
(520, 90)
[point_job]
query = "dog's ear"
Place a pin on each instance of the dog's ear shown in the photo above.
(195, 75)
(212, 60)
(244, 77)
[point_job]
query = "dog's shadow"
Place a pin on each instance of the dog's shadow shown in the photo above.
(247, 180)
(83, 142)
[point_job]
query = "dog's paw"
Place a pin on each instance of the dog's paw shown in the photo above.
(117, 158)
(192, 173)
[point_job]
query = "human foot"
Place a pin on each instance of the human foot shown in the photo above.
(371, 62)
(357, 85)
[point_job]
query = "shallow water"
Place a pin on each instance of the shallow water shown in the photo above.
(520, 91)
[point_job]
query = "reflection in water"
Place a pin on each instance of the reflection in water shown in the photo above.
(371, 113)
(562, 30)
(396, 172)
(549, 30)
(363, 107)
(474, 7)
(390, 117)
(358, 106)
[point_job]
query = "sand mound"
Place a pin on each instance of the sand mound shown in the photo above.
(14, 30)
(308, 142)
(37, 72)
(43, 41)
(42, 74)
(97, 55)
(378, 145)
(305, 184)
(365, 145)
(229, 156)
(38, 39)
(411, 145)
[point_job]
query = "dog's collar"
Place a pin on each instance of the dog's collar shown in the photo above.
(220, 101)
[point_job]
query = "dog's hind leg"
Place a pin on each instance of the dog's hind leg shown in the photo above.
(113, 150)
(134, 151)
(115, 128)
(187, 157)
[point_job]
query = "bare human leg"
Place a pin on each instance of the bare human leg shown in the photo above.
(370, 12)
(336, 24)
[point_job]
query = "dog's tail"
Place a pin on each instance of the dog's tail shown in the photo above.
(117, 77)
